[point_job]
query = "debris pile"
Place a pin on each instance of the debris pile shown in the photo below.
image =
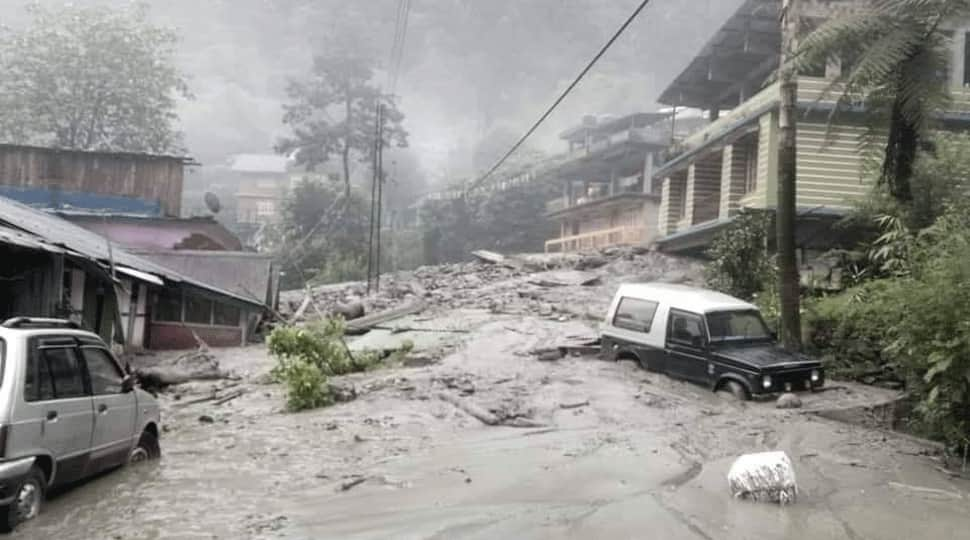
(520, 284)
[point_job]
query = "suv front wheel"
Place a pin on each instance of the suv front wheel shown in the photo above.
(26, 503)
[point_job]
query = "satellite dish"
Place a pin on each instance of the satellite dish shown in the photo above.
(212, 202)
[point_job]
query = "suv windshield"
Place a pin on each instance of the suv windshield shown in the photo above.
(737, 326)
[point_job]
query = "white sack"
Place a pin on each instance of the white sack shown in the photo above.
(768, 477)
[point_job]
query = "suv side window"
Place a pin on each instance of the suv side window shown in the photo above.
(56, 374)
(686, 328)
(106, 377)
(634, 314)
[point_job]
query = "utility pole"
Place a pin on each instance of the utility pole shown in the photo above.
(373, 196)
(380, 192)
(788, 282)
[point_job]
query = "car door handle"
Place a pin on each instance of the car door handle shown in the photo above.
(51, 416)
(102, 408)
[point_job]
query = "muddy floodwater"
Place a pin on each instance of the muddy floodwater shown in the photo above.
(606, 451)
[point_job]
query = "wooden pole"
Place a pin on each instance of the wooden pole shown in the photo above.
(788, 282)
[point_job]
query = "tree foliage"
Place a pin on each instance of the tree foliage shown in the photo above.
(91, 78)
(895, 57)
(740, 264)
(333, 112)
(324, 234)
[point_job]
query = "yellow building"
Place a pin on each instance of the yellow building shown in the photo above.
(732, 163)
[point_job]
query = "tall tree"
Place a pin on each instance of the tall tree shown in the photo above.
(333, 112)
(91, 78)
(895, 57)
(788, 283)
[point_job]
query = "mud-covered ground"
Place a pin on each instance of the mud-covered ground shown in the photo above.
(610, 451)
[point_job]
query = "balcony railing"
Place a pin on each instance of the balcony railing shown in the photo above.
(597, 239)
(561, 203)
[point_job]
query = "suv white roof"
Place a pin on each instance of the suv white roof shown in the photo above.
(683, 297)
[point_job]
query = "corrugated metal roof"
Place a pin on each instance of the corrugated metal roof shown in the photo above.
(54, 231)
(22, 239)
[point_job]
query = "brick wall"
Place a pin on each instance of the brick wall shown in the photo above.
(179, 336)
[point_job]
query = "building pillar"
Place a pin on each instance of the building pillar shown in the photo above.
(733, 172)
(671, 199)
(957, 57)
(648, 173)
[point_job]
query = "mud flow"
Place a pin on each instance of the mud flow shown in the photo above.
(574, 447)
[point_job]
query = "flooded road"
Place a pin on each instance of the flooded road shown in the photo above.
(615, 452)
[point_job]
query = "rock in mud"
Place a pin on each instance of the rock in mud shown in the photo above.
(418, 361)
(343, 392)
(763, 477)
(788, 400)
(349, 310)
(206, 419)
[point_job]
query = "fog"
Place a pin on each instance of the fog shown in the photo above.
(474, 74)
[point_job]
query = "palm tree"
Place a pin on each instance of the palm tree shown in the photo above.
(895, 55)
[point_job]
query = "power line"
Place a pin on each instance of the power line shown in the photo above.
(562, 96)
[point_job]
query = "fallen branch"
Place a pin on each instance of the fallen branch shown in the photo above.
(365, 323)
(229, 397)
(402, 329)
(471, 409)
(574, 405)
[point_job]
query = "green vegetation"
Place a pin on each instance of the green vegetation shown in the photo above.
(307, 357)
(739, 260)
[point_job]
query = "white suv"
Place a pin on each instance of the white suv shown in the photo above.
(68, 409)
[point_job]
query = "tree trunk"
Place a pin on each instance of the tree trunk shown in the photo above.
(788, 283)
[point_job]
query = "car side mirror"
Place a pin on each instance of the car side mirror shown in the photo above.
(127, 384)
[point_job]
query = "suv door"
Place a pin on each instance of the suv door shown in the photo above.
(686, 346)
(114, 409)
(57, 400)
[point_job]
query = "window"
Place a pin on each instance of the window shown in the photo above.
(225, 315)
(265, 208)
(635, 314)
(106, 377)
(737, 325)
(751, 167)
(37, 386)
(54, 373)
(685, 328)
(198, 310)
(169, 306)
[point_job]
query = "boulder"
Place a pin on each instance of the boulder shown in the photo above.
(763, 477)
(788, 400)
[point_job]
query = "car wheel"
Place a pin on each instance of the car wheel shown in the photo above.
(146, 449)
(733, 390)
(27, 501)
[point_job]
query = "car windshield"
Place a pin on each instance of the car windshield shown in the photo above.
(737, 326)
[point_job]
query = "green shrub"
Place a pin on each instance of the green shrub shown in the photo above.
(306, 385)
(739, 263)
(849, 330)
(307, 356)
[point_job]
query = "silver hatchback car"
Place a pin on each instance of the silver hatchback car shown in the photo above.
(68, 410)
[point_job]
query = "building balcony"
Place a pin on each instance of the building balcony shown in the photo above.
(597, 192)
(597, 239)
